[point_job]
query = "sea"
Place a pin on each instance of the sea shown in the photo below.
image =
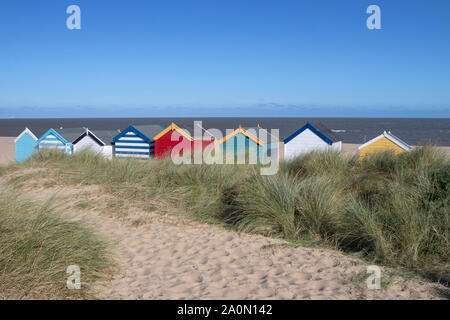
(414, 131)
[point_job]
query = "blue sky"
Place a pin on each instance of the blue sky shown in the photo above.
(225, 57)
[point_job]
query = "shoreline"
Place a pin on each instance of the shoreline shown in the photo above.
(414, 131)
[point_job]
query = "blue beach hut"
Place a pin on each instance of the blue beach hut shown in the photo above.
(136, 142)
(25, 145)
(59, 140)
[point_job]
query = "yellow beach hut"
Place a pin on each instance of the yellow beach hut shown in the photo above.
(384, 142)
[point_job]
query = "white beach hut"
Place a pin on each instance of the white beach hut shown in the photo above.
(98, 141)
(310, 137)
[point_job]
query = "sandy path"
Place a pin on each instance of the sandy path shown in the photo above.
(189, 260)
(195, 262)
(177, 259)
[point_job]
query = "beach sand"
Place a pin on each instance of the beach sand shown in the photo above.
(350, 148)
(168, 256)
(6, 150)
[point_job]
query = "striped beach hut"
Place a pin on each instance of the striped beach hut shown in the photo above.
(310, 137)
(60, 139)
(25, 145)
(243, 141)
(98, 141)
(384, 142)
(136, 141)
(173, 135)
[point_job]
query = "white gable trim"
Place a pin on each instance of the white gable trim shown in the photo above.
(24, 132)
(391, 137)
(89, 131)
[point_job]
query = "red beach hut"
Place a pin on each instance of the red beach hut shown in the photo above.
(165, 141)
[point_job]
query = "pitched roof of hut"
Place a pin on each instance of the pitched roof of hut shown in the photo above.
(325, 130)
(103, 137)
(388, 135)
(149, 130)
(65, 135)
(106, 135)
(318, 129)
(195, 129)
(174, 127)
(26, 130)
(244, 132)
(36, 130)
(70, 134)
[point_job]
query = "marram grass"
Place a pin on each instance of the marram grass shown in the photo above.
(36, 247)
(395, 209)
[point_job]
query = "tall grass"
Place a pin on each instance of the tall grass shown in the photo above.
(37, 246)
(395, 209)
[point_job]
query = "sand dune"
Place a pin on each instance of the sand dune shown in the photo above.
(204, 262)
(174, 258)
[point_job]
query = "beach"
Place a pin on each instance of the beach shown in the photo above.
(6, 150)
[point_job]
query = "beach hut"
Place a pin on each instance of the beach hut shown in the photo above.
(243, 141)
(25, 145)
(272, 143)
(165, 141)
(136, 141)
(384, 142)
(60, 139)
(98, 141)
(309, 138)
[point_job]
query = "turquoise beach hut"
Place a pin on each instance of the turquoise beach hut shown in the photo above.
(25, 145)
(243, 141)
